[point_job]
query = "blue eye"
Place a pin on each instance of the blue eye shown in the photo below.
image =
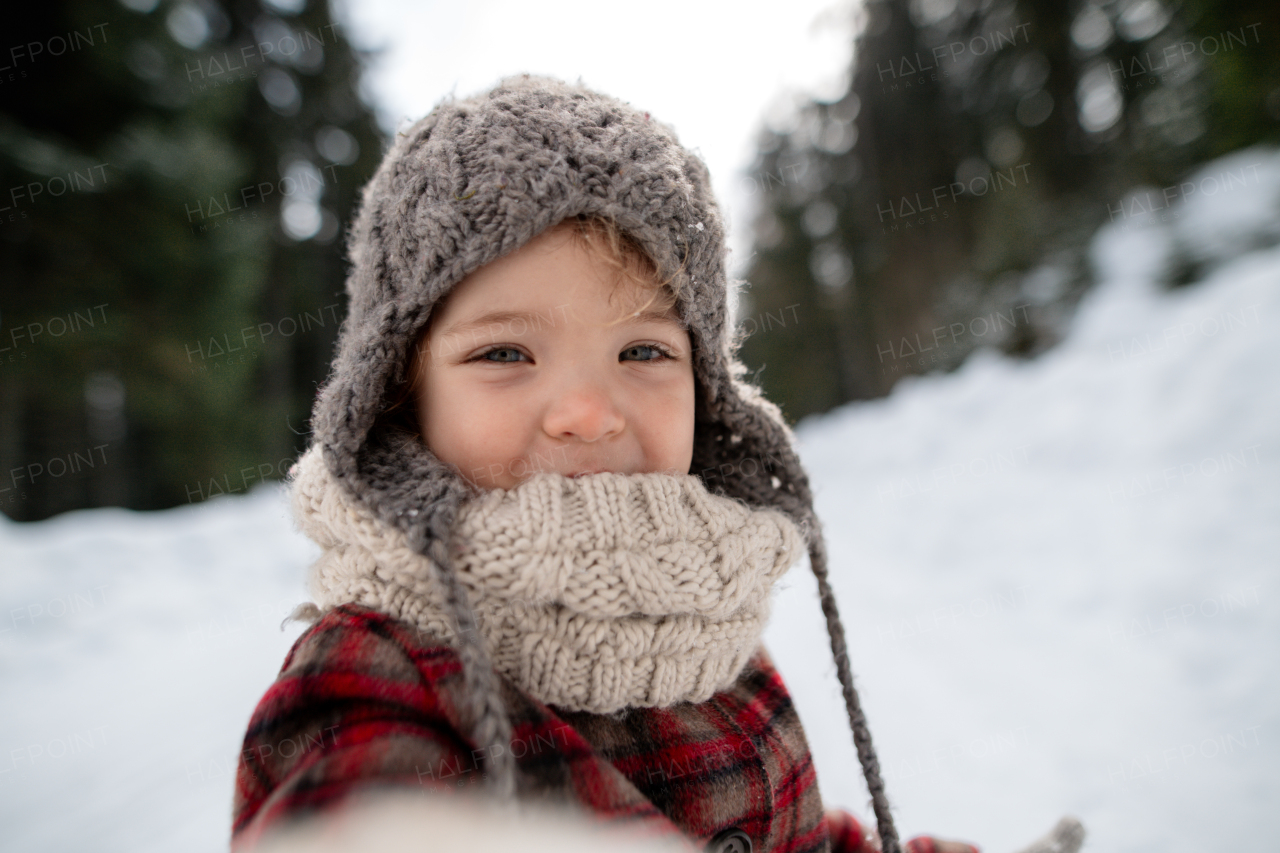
(657, 354)
(505, 355)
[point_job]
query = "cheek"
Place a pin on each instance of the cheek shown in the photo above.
(689, 418)
(465, 426)
(671, 423)
(446, 415)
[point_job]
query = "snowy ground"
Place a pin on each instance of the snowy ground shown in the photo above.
(1058, 577)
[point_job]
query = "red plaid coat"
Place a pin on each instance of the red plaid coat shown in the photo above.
(364, 700)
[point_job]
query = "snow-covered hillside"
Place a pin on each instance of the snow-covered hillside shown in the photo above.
(1058, 577)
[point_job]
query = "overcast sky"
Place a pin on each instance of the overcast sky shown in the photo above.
(712, 70)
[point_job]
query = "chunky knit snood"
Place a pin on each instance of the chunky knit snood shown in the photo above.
(593, 593)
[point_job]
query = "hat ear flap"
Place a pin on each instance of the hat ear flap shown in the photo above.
(743, 448)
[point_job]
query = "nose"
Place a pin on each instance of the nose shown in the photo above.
(583, 410)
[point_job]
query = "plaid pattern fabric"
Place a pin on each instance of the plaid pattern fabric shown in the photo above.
(364, 701)
(737, 760)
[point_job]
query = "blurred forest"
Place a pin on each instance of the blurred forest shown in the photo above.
(946, 200)
(176, 181)
(178, 177)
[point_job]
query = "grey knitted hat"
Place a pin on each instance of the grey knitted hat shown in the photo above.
(474, 181)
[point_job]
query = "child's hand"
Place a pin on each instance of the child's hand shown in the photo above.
(1066, 837)
(850, 836)
(927, 844)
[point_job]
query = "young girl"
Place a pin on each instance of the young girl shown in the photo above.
(551, 509)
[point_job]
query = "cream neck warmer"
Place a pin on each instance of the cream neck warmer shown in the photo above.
(592, 594)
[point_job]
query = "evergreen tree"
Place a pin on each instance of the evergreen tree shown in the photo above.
(172, 257)
(946, 200)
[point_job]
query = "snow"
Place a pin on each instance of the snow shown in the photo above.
(133, 647)
(1054, 575)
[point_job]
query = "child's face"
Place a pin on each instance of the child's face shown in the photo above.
(527, 369)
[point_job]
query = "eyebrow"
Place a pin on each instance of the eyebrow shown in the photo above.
(657, 317)
(526, 319)
(532, 320)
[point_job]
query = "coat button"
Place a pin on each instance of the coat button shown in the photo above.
(732, 840)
